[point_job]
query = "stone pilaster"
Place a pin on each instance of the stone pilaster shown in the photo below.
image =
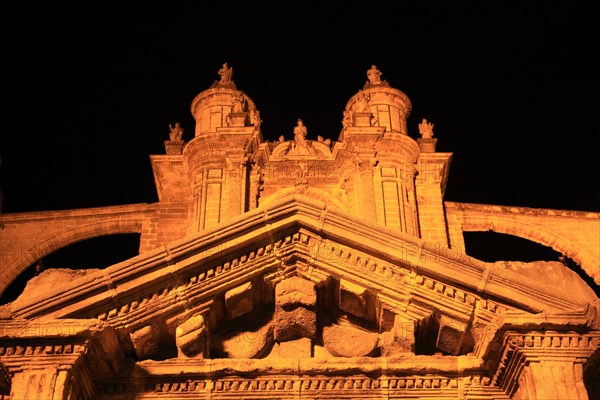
(431, 182)
(58, 359)
(545, 364)
(368, 206)
(395, 194)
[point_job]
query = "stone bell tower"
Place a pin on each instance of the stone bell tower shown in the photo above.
(217, 158)
(374, 171)
(375, 127)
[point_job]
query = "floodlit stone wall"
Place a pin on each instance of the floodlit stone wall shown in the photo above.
(301, 268)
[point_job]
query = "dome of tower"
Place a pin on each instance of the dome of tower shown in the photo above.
(223, 105)
(378, 104)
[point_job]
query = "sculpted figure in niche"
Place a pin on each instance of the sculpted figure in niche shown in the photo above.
(363, 102)
(176, 132)
(239, 104)
(426, 129)
(225, 73)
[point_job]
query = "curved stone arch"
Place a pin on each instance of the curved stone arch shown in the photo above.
(315, 193)
(529, 232)
(64, 239)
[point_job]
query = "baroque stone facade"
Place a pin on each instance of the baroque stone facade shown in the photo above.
(301, 269)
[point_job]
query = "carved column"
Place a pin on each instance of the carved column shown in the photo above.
(545, 365)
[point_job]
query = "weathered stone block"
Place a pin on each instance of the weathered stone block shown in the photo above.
(450, 335)
(353, 298)
(427, 145)
(400, 339)
(144, 342)
(237, 119)
(191, 338)
(295, 317)
(362, 118)
(299, 348)
(174, 147)
(349, 341)
(295, 323)
(249, 344)
(294, 292)
(239, 300)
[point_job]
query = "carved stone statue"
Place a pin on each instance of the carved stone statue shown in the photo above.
(226, 81)
(374, 78)
(176, 132)
(225, 73)
(363, 102)
(300, 144)
(374, 75)
(300, 132)
(239, 104)
(426, 129)
(255, 118)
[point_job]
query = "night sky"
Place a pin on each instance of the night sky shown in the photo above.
(89, 93)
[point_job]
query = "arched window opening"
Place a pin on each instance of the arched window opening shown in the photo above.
(99, 252)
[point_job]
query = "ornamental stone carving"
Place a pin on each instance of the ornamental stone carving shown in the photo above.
(301, 269)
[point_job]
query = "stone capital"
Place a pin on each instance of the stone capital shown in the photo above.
(58, 358)
(545, 364)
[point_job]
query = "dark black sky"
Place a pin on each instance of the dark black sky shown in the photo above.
(89, 93)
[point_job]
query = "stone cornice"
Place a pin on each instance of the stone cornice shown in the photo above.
(365, 378)
(520, 348)
(89, 346)
(518, 321)
(263, 225)
(417, 365)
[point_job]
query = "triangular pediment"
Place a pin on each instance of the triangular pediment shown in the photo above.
(368, 279)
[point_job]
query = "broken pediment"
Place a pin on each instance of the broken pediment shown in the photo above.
(297, 278)
(307, 150)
